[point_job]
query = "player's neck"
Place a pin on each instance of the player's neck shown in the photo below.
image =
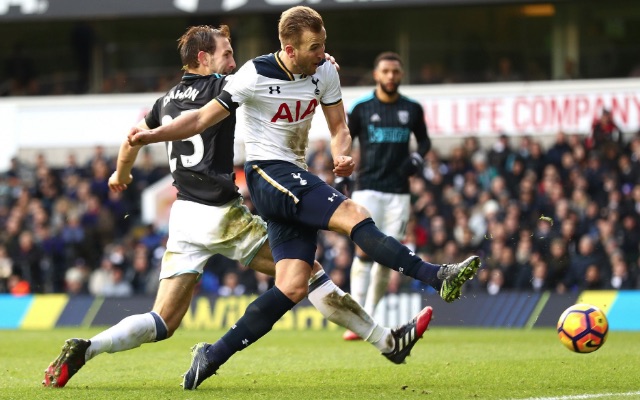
(387, 98)
(288, 62)
(198, 71)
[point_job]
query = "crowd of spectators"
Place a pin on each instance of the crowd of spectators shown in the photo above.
(564, 218)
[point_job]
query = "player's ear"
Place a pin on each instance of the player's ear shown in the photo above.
(289, 50)
(202, 57)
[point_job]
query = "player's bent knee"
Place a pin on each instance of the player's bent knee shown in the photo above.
(348, 214)
(295, 294)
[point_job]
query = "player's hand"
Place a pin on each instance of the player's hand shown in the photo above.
(413, 165)
(138, 136)
(343, 185)
(343, 166)
(332, 60)
(118, 185)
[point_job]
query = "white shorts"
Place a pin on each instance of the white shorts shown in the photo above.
(198, 231)
(390, 211)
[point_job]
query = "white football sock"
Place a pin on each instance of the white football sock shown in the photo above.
(360, 278)
(340, 308)
(127, 334)
(380, 276)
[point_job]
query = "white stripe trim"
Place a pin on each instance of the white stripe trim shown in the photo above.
(275, 184)
(585, 396)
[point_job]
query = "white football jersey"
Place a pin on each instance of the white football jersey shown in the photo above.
(278, 107)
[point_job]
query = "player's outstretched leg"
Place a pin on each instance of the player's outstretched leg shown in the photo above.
(70, 360)
(201, 368)
(386, 250)
(455, 275)
(406, 336)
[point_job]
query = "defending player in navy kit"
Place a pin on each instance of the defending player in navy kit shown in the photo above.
(383, 122)
(280, 93)
(207, 218)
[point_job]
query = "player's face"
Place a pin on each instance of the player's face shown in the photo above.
(222, 61)
(388, 75)
(310, 52)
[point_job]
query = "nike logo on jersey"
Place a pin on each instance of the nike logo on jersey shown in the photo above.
(285, 113)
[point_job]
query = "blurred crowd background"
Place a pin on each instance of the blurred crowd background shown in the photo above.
(441, 42)
(561, 218)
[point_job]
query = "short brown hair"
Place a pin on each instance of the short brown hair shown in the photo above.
(387, 55)
(294, 21)
(199, 38)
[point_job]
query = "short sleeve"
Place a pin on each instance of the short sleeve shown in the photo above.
(241, 85)
(332, 93)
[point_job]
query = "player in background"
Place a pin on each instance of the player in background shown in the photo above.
(279, 93)
(207, 218)
(382, 122)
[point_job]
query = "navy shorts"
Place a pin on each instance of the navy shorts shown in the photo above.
(294, 202)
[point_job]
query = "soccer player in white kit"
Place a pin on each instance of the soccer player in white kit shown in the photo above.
(280, 93)
(207, 218)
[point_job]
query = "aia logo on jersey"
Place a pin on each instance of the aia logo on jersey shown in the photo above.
(285, 113)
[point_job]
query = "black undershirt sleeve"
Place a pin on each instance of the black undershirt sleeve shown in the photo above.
(225, 101)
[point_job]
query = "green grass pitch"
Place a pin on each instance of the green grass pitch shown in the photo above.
(446, 364)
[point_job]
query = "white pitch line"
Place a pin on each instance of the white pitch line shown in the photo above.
(585, 396)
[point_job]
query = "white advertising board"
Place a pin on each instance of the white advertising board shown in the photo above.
(450, 111)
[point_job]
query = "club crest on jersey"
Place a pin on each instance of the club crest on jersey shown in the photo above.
(315, 82)
(297, 176)
(285, 113)
(403, 117)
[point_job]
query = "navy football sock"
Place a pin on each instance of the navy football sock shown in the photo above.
(391, 253)
(258, 319)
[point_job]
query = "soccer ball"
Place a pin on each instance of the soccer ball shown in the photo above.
(583, 328)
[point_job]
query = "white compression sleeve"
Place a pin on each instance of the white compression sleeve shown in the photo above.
(127, 334)
(339, 308)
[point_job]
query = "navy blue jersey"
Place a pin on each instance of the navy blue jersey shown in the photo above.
(202, 165)
(384, 131)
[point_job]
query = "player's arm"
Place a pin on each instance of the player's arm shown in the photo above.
(186, 125)
(421, 133)
(127, 155)
(340, 139)
(415, 162)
